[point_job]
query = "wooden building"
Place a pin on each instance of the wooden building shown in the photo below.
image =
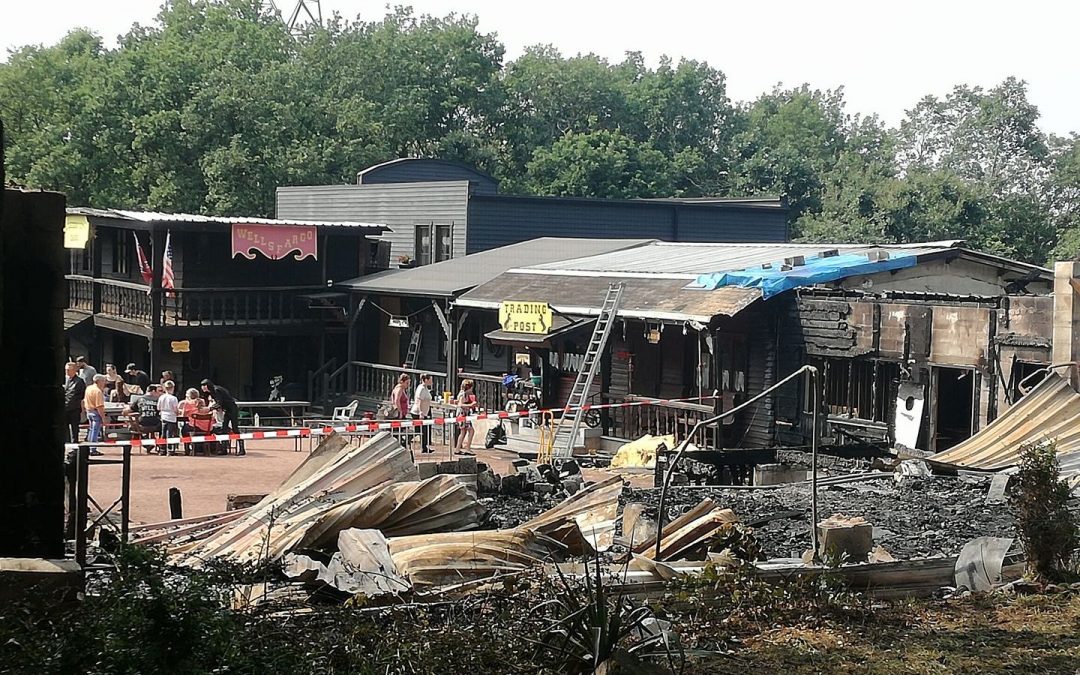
(438, 210)
(251, 298)
(948, 331)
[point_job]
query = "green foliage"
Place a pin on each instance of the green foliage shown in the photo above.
(600, 164)
(1049, 531)
(585, 624)
(214, 105)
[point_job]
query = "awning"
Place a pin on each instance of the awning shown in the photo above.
(1050, 412)
(653, 299)
(561, 326)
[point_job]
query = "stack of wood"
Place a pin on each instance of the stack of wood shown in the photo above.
(339, 486)
(689, 532)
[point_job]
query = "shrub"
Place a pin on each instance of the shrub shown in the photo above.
(1040, 501)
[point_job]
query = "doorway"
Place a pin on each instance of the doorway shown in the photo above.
(954, 406)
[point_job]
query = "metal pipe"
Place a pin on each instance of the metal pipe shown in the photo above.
(713, 420)
(1047, 369)
(816, 388)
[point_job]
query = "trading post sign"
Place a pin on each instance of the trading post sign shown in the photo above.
(525, 317)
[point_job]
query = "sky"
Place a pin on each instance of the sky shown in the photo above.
(886, 56)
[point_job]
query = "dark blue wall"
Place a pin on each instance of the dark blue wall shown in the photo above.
(498, 220)
(425, 170)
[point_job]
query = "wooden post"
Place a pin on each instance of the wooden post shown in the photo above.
(1066, 346)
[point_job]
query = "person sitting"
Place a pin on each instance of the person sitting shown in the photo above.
(198, 420)
(146, 420)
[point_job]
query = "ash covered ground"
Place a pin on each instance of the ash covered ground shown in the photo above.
(915, 518)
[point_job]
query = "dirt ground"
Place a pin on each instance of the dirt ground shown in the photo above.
(206, 482)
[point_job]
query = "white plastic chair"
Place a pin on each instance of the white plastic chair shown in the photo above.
(345, 412)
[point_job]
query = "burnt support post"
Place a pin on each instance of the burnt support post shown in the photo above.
(1066, 348)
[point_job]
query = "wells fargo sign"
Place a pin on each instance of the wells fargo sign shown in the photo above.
(274, 241)
(525, 317)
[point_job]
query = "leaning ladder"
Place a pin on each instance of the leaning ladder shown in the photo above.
(414, 346)
(570, 423)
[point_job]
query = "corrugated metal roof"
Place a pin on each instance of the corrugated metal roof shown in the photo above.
(450, 277)
(1050, 412)
(157, 217)
(689, 260)
(652, 298)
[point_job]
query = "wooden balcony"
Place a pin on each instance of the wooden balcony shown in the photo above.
(188, 307)
(193, 307)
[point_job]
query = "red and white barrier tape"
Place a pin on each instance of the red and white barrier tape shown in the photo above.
(386, 425)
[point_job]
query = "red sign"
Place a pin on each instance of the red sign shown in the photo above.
(274, 241)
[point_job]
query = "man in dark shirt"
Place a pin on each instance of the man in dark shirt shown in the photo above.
(74, 390)
(224, 400)
(146, 411)
(137, 377)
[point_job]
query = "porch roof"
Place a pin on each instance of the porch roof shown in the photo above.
(181, 219)
(659, 299)
(659, 278)
(450, 278)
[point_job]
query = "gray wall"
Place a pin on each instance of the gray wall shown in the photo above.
(401, 206)
(502, 219)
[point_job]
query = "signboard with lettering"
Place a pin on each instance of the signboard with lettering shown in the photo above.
(525, 317)
(274, 241)
(76, 231)
(180, 346)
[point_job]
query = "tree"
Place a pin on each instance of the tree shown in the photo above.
(600, 164)
(787, 141)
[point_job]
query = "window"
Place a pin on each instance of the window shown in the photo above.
(121, 259)
(434, 243)
(860, 389)
(423, 244)
(81, 261)
(444, 242)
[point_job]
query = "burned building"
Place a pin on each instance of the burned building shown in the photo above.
(919, 344)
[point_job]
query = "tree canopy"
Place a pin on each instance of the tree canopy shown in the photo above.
(215, 105)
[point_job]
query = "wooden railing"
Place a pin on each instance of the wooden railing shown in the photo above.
(186, 307)
(235, 306)
(316, 389)
(490, 393)
(80, 292)
(373, 382)
(657, 419)
(124, 300)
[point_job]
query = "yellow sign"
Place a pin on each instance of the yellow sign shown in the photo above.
(181, 346)
(525, 317)
(76, 232)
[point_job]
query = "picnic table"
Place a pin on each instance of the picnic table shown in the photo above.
(294, 409)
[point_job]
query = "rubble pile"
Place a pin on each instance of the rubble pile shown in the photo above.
(918, 517)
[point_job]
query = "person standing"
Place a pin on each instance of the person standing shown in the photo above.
(94, 405)
(224, 401)
(137, 377)
(399, 398)
(421, 410)
(113, 379)
(168, 407)
(466, 405)
(86, 371)
(74, 392)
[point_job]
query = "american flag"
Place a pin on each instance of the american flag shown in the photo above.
(167, 280)
(144, 265)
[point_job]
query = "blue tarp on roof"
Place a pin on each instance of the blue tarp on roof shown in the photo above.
(817, 270)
